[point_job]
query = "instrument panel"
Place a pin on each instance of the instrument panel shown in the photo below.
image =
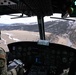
(54, 57)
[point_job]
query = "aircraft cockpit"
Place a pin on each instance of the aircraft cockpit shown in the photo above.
(43, 57)
(40, 57)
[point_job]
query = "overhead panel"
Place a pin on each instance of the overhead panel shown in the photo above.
(20, 6)
(39, 7)
(9, 7)
(5, 9)
(36, 7)
(6, 2)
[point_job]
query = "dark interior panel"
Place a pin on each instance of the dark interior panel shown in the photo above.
(54, 57)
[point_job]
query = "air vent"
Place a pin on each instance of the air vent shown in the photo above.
(5, 0)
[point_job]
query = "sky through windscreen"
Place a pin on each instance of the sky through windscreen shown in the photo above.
(6, 19)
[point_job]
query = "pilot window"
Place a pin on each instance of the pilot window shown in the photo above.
(56, 31)
(20, 38)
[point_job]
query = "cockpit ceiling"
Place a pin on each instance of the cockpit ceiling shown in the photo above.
(4, 10)
(30, 7)
(8, 7)
(38, 7)
(6, 2)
